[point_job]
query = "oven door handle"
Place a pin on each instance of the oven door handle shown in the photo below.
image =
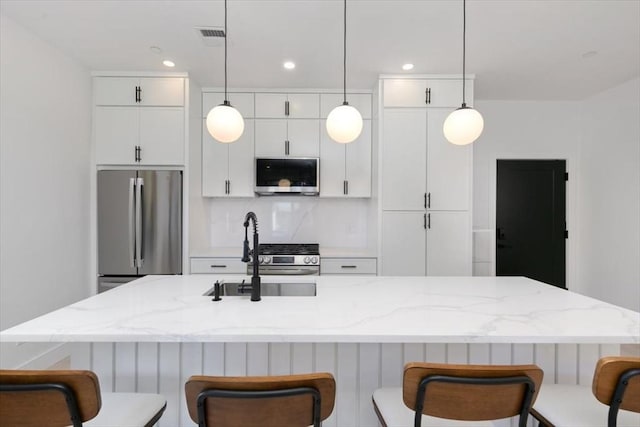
(287, 271)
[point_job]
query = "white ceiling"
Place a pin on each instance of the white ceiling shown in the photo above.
(518, 49)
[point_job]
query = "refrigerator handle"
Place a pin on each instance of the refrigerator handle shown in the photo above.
(139, 227)
(132, 237)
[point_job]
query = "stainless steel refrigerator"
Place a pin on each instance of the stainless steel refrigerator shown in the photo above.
(139, 225)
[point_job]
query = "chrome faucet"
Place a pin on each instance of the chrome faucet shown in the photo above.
(255, 279)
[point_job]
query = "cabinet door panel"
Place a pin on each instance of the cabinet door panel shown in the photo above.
(243, 102)
(116, 135)
(215, 165)
(358, 163)
(361, 101)
(304, 105)
(404, 158)
(412, 92)
(115, 90)
(162, 91)
(270, 105)
(162, 135)
(332, 165)
(271, 135)
(241, 169)
(449, 244)
(304, 138)
(448, 167)
(403, 244)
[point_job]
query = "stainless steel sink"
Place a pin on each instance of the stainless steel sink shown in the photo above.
(268, 289)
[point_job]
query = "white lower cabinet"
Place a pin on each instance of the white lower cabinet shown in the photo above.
(218, 265)
(366, 266)
(418, 243)
(227, 169)
(345, 169)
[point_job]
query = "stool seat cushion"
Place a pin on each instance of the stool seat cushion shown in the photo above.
(395, 413)
(127, 410)
(576, 406)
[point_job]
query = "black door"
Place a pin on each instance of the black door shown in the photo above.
(530, 220)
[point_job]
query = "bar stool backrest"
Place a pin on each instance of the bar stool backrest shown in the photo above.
(36, 398)
(269, 401)
(471, 392)
(607, 376)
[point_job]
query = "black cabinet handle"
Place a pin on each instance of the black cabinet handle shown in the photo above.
(348, 266)
(429, 221)
(427, 95)
(428, 200)
(139, 93)
(137, 153)
(218, 266)
(425, 200)
(286, 108)
(286, 147)
(345, 187)
(424, 221)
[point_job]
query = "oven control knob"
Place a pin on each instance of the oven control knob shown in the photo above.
(314, 260)
(307, 260)
(267, 259)
(261, 259)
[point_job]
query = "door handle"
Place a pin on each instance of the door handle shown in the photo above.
(428, 200)
(286, 108)
(139, 213)
(132, 227)
(429, 221)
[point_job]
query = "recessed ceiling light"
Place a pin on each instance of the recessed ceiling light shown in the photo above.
(589, 54)
(168, 63)
(289, 65)
(156, 50)
(407, 67)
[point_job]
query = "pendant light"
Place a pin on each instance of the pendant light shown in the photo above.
(224, 122)
(344, 123)
(464, 125)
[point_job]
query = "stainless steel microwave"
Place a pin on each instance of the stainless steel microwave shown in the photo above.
(287, 175)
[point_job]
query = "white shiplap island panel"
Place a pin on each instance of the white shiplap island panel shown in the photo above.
(152, 334)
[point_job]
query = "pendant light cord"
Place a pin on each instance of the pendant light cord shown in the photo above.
(464, 38)
(344, 58)
(226, 36)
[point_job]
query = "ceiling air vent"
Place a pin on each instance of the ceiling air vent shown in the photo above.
(211, 36)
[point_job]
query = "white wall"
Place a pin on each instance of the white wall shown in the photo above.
(521, 130)
(609, 196)
(45, 107)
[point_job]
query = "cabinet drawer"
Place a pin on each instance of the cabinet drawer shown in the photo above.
(348, 266)
(218, 265)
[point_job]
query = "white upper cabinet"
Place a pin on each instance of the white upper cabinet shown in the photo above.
(425, 93)
(279, 138)
(139, 120)
(345, 169)
(243, 102)
(404, 159)
(284, 106)
(361, 101)
(227, 169)
(448, 167)
(141, 91)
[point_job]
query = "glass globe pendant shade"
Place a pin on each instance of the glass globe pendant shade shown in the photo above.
(225, 123)
(344, 124)
(463, 126)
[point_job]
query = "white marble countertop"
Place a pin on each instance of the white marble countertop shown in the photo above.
(345, 309)
(325, 252)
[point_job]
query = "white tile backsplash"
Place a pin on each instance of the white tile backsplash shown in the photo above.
(345, 223)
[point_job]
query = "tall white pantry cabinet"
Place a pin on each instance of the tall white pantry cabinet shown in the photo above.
(425, 181)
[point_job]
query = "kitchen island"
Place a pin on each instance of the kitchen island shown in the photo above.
(155, 332)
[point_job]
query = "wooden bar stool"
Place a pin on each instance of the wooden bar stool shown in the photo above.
(31, 398)
(616, 387)
(435, 394)
(271, 401)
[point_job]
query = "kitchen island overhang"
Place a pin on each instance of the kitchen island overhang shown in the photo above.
(346, 309)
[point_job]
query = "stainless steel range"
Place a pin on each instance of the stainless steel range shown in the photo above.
(288, 259)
